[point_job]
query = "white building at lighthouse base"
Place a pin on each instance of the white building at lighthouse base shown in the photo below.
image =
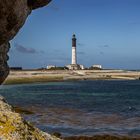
(75, 67)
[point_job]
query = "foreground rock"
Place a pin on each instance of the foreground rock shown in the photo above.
(4, 69)
(13, 14)
(14, 127)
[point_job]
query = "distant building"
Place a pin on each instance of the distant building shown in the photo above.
(97, 66)
(77, 67)
(82, 67)
(73, 67)
(15, 68)
(51, 66)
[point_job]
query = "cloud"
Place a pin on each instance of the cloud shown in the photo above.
(104, 46)
(23, 49)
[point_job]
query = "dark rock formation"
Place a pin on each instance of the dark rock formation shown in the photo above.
(37, 3)
(4, 69)
(13, 14)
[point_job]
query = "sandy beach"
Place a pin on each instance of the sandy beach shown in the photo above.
(31, 76)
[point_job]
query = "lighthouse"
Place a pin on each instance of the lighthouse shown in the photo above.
(74, 65)
(74, 55)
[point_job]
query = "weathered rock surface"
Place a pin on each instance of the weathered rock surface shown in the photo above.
(4, 69)
(13, 14)
(37, 3)
(14, 127)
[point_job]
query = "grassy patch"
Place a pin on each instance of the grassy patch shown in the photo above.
(32, 80)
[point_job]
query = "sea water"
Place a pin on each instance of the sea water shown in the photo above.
(80, 107)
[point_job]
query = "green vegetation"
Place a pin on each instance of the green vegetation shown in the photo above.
(59, 68)
(33, 80)
(94, 68)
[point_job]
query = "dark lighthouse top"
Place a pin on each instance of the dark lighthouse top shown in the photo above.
(74, 41)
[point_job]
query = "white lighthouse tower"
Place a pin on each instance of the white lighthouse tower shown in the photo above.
(74, 54)
(74, 65)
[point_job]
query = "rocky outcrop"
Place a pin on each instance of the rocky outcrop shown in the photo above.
(37, 3)
(4, 69)
(13, 14)
(14, 127)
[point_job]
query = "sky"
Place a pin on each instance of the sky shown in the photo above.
(107, 31)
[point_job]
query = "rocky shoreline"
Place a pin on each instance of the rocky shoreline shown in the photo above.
(80, 137)
(14, 127)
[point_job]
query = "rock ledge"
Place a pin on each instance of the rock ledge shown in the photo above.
(14, 127)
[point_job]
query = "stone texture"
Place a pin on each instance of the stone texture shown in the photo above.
(37, 3)
(4, 69)
(13, 14)
(14, 127)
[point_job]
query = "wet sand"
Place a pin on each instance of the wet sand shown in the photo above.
(32, 76)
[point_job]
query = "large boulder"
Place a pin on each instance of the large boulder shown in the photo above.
(4, 69)
(13, 14)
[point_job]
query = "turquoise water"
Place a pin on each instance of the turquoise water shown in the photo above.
(81, 107)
